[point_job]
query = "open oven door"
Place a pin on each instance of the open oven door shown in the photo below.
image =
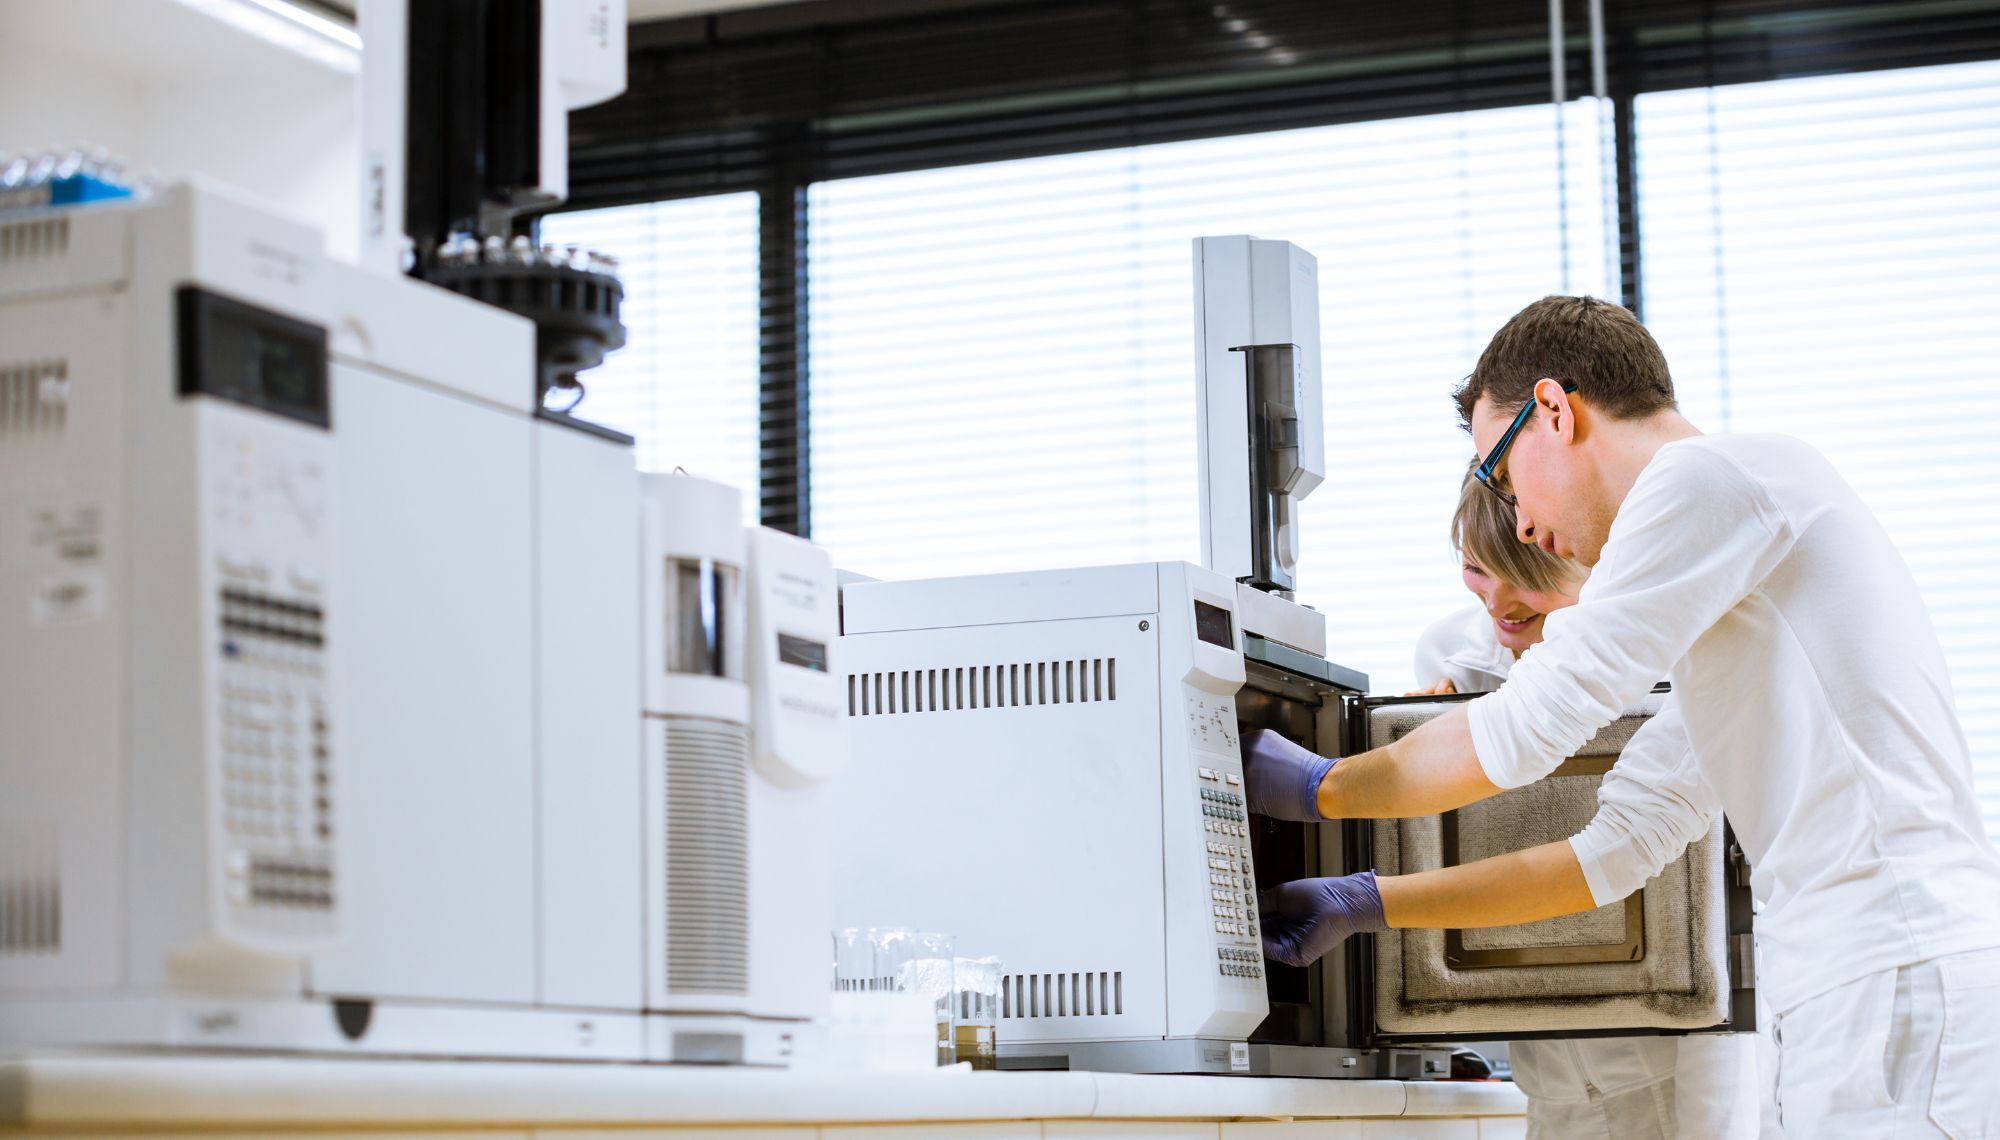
(1676, 957)
(1303, 697)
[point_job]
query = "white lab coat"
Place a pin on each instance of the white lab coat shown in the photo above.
(1702, 1087)
(1816, 708)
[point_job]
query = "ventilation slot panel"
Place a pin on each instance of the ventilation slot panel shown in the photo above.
(34, 398)
(30, 890)
(38, 240)
(966, 688)
(708, 857)
(1085, 993)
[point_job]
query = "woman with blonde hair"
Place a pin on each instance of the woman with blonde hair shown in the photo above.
(1517, 585)
(1624, 1087)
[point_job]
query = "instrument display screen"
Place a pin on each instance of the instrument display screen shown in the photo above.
(802, 652)
(1212, 624)
(252, 356)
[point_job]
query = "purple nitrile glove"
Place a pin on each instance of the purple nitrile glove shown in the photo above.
(1305, 918)
(1281, 779)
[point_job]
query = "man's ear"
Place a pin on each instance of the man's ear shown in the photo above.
(1557, 410)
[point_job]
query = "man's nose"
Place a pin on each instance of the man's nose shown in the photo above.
(1524, 527)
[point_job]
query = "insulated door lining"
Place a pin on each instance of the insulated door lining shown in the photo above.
(1611, 933)
(1655, 960)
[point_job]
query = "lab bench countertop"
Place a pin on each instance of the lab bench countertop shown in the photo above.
(133, 1096)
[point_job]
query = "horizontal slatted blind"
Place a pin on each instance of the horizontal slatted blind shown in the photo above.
(1003, 365)
(685, 384)
(1822, 258)
(772, 97)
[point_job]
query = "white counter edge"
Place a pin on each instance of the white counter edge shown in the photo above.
(124, 1091)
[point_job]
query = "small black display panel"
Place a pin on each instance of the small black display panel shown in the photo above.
(1211, 624)
(252, 356)
(801, 652)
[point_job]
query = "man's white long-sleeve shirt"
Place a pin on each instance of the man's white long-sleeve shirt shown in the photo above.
(1813, 694)
(1651, 804)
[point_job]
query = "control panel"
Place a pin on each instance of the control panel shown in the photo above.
(1225, 821)
(276, 751)
(265, 489)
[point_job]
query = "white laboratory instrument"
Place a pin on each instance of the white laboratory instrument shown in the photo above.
(171, 799)
(1259, 425)
(491, 690)
(323, 690)
(184, 799)
(464, 137)
(1046, 767)
(798, 746)
(1257, 375)
(1093, 833)
(429, 170)
(323, 694)
(741, 731)
(491, 683)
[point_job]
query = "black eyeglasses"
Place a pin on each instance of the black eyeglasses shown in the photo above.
(1485, 472)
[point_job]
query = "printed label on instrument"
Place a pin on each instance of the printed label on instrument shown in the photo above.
(70, 596)
(59, 547)
(52, 536)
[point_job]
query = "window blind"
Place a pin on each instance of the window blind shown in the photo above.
(1822, 258)
(685, 384)
(772, 99)
(775, 98)
(1002, 354)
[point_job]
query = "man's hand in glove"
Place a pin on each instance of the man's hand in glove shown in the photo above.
(1304, 919)
(1282, 779)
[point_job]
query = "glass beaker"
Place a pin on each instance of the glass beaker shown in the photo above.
(854, 960)
(976, 1011)
(920, 962)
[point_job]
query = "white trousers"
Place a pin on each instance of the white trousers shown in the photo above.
(1908, 1052)
(1701, 1086)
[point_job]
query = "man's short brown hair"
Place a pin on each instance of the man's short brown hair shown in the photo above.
(1600, 347)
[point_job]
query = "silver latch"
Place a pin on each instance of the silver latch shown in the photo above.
(1739, 865)
(1742, 961)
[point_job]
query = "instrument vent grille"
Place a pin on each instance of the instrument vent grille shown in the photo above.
(31, 910)
(34, 398)
(708, 857)
(1086, 993)
(960, 688)
(35, 239)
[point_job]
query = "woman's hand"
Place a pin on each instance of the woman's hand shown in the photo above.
(1437, 690)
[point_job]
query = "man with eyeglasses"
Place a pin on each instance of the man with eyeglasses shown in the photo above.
(1816, 709)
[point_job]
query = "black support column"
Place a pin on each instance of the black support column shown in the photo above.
(1623, 64)
(784, 420)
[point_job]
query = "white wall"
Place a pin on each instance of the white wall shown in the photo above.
(164, 87)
